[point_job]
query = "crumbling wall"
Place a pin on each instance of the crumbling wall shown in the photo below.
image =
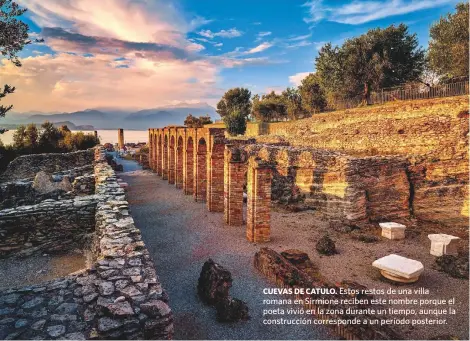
(118, 297)
(22, 192)
(431, 134)
(345, 189)
(27, 166)
(50, 225)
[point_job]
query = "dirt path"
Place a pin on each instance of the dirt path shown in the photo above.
(181, 235)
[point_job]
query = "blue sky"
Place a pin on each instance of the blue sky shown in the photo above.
(146, 53)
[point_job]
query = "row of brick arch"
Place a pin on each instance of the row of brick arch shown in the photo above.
(198, 161)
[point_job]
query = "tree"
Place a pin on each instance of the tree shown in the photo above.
(236, 99)
(19, 137)
(293, 101)
(312, 95)
(448, 47)
(50, 137)
(32, 137)
(377, 59)
(235, 122)
(197, 122)
(13, 38)
(270, 107)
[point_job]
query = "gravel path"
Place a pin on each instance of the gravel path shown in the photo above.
(181, 235)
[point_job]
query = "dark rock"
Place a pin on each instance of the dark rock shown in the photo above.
(232, 310)
(56, 331)
(120, 309)
(106, 324)
(214, 283)
(296, 257)
(38, 325)
(32, 303)
(74, 336)
(21, 323)
(456, 266)
(326, 246)
(155, 308)
(67, 308)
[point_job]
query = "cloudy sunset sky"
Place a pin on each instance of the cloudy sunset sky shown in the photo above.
(148, 53)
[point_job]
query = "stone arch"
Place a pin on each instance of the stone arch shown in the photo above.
(159, 156)
(179, 163)
(171, 160)
(165, 158)
(188, 181)
(200, 171)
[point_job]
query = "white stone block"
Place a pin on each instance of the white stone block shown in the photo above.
(394, 231)
(399, 268)
(443, 244)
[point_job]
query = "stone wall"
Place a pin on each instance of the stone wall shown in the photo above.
(346, 189)
(26, 166)
(118, 297)
(431, 134)
(50, 225)
(84, 184)
(22, 192)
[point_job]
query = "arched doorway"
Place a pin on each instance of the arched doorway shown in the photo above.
(158, 156)
(188, 181)
(171, 161)
(165, 158)
(200, 183)
(179, 163)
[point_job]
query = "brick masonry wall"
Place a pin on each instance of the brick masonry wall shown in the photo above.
(346, 189)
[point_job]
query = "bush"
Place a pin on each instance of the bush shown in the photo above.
(235, 122)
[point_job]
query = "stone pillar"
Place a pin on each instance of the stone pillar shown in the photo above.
(259, 201)
(215, 176)
(200, 172)
(171, 161)
(234, 178)
(165, 157)
(121, 138)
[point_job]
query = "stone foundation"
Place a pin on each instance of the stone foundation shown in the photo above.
(27, 166)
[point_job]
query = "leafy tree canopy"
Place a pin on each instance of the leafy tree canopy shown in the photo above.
(236, 99)
(448, 47)
(377, 59)
(13, 38)
(312, 94)
(235, 123)
(197, 122)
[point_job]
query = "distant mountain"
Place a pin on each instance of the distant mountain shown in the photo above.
(109, 118)
(169, 115)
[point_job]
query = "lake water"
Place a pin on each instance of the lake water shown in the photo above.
(111, 136)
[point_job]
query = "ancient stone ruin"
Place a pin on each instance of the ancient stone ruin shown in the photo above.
(118, 296)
